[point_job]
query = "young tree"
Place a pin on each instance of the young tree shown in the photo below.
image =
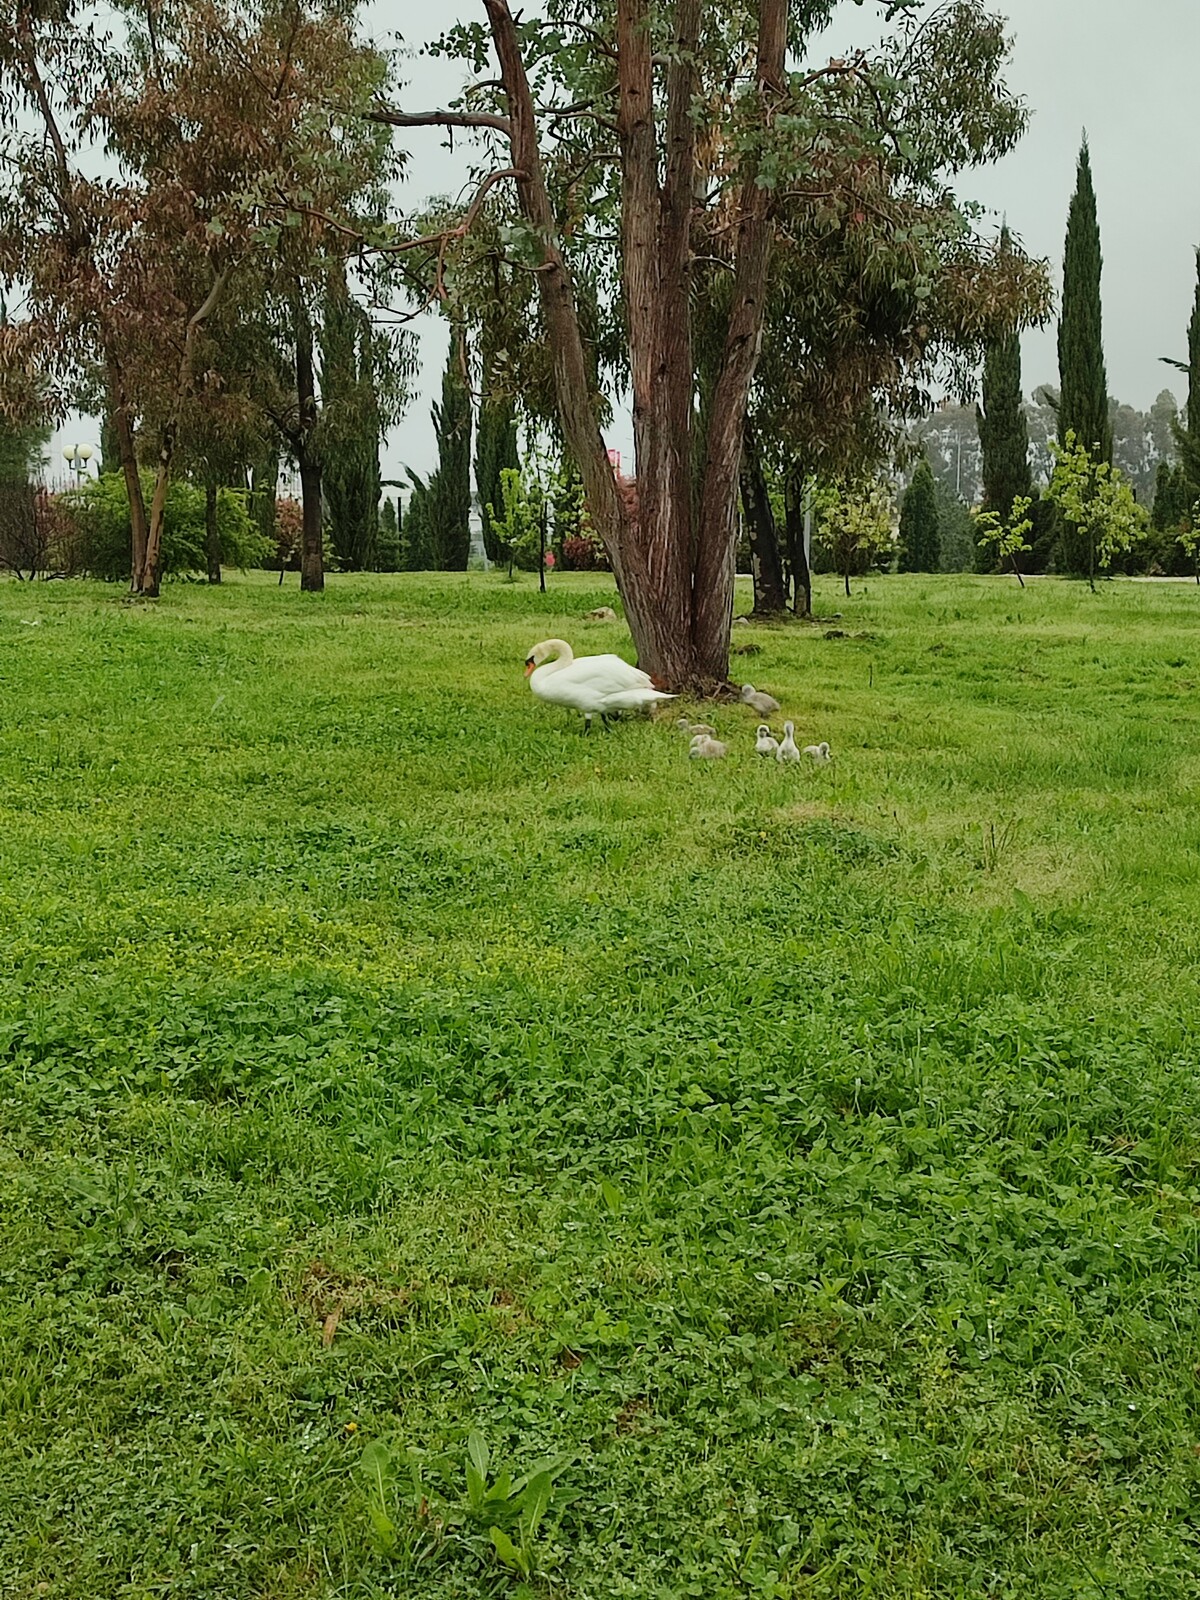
(920, 547)
(1083, 402)
(1007, 537)
(1097, 504)
(713, 135)
(856, 526)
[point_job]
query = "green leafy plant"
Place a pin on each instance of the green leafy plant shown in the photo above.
(1007, 536)
(507, 1512)
(519, 526)
(1096, 500)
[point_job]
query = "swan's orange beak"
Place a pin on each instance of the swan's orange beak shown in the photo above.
(529, 666)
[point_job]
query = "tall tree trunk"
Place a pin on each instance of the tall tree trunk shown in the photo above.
(717, 536)
(676, 582)
(150, 576)
(770, 596)
(212, 531)
(312, 548)
(123, 431)
(793, 510)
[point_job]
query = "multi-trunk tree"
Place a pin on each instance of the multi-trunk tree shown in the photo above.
(655, 151)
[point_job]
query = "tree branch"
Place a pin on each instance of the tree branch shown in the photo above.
(440, 119)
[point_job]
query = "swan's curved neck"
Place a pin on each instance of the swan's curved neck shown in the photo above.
(563, 653)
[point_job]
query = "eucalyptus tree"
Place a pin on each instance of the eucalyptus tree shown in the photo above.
(655, 148)
(218, 116)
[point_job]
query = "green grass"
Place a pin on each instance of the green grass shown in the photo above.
(805, 1160)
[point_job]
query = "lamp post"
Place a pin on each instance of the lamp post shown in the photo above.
(77, 457)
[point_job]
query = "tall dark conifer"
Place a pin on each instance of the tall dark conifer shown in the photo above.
(920, 538)
(1083, 405)
(350, 427)
(495, 449)
(1187, 428)
(448, 503)
(1003, 433)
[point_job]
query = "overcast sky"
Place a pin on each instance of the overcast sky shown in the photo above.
(1126, 72)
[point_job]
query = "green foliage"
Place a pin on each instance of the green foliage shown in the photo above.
(21, 450)
(350, 428)
(1083, 405)
(1171, 498)
(495, 450)
(920, 544)
(853, 527)
(1003, 434)
(1186, 430)
(416, 547)
(101, 511)
(956, 533)
(447, 503)
(390, 545)
(1007, 537)
(365, 1099)
(520, 526)
(1094, 500)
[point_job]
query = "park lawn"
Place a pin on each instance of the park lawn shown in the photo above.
(803, 1161)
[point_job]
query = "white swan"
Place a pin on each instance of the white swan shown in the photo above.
(766, 705)
(818, 752)
(592, 684)
(764, 743)
(704, 748)
(787, 745)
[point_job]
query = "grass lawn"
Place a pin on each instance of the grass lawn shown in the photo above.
(399, 1091)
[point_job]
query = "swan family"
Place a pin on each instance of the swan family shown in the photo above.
(603, 686)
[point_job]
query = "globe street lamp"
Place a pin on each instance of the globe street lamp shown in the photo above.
(77, 457)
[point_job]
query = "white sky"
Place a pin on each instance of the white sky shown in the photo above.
(1126, 73)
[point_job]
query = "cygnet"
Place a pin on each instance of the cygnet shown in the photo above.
(693, 728)
(818, 752)
(764, 743)
(764, 704)
(787, 745)
(704, 748)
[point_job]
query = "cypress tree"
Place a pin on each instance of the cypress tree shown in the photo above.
(1003, 433)
(448, 499)
(1187, 430)
(416, 554)
(1083, 405)
(350, 427)
(920, 540)
(389, 549)
(495, 450)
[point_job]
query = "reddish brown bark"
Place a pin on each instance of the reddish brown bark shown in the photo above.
(149, 576)
(675, 578)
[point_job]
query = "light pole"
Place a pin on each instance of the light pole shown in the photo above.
(77, 457)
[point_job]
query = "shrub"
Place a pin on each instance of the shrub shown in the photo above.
(583, 552)
(100, 513)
